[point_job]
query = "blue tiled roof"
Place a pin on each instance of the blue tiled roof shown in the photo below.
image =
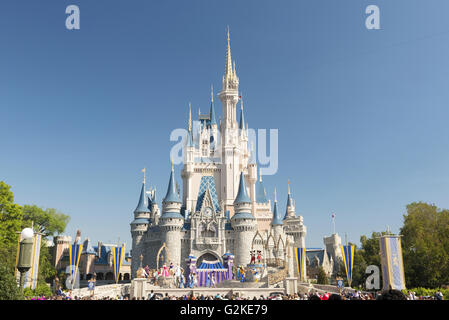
(172, 194)
(149, 203)
(243, 215)
(242, 120)
(141, 206)
(289, 204)
(277, 220)
(211, 266)
(212, 113)
(242, 195)
(141, 221)
(311, 254)
(228, 226)
(261, 194)
(207, 182)
(173, 215)
(186, 226)
(103, 255)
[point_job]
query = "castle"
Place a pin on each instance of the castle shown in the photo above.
(223, 209)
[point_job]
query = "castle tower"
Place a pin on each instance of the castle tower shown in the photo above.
(213, 124)
(333, 244)
(230, 147)
(244, 225)
(171, 221)
(188, 169)
(138, 228)
(293, 223)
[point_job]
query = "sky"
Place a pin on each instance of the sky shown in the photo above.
(362, 114)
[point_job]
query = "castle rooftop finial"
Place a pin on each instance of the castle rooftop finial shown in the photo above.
(190, 117)
(228, 71)
(242, 119)
(212, 110)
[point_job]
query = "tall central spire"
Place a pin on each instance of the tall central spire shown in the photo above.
(228, 70)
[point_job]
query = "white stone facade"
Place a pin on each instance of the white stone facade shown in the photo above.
(202, 223)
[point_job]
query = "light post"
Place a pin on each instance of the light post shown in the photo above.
(25, 253)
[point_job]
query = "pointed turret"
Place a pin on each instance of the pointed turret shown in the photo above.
(230, 79)
(277, 220)
(261, 194)
(172, 194)
(142, 206)
(228, 69)
(190, 118)
(242, 202)
(242, 194)
(189, 139)
(212, 110)
(243, 223)
(242, 119)
(290, 208)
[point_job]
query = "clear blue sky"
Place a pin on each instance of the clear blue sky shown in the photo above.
(362, 114)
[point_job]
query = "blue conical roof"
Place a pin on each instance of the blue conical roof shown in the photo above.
(242, 195)
(150, 202)
(289, 204)
(172, 194)
(242, 120)
(212, 113)
(261, 196)
(277, 220)
(141, 206)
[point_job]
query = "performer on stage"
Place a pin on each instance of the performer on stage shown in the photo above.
(190, 280)
(172, 270)
(208, 280)
(212, 279)
(242, 274)
(165, 271)
(259, 256)
(253, 257)
(195, 281)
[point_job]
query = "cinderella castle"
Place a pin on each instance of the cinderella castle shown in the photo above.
(223, 210)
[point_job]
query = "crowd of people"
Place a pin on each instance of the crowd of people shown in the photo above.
(313, 295)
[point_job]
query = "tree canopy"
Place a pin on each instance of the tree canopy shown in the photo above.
(425, 245)
(48, 221)
(13, 218)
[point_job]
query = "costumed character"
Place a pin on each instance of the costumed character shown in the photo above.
(253, 257)
(165, 271)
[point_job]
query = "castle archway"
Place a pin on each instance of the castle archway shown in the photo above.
(208, 256)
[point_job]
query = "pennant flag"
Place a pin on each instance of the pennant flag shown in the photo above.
(348, 260)
(117, 257)
(300, 255)
(392, 264)
(74, 258)
(36, 254)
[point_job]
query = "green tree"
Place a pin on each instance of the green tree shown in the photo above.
(48, 221)
(322, 276)
(13, 218)
(425, 244)
(9, 289)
